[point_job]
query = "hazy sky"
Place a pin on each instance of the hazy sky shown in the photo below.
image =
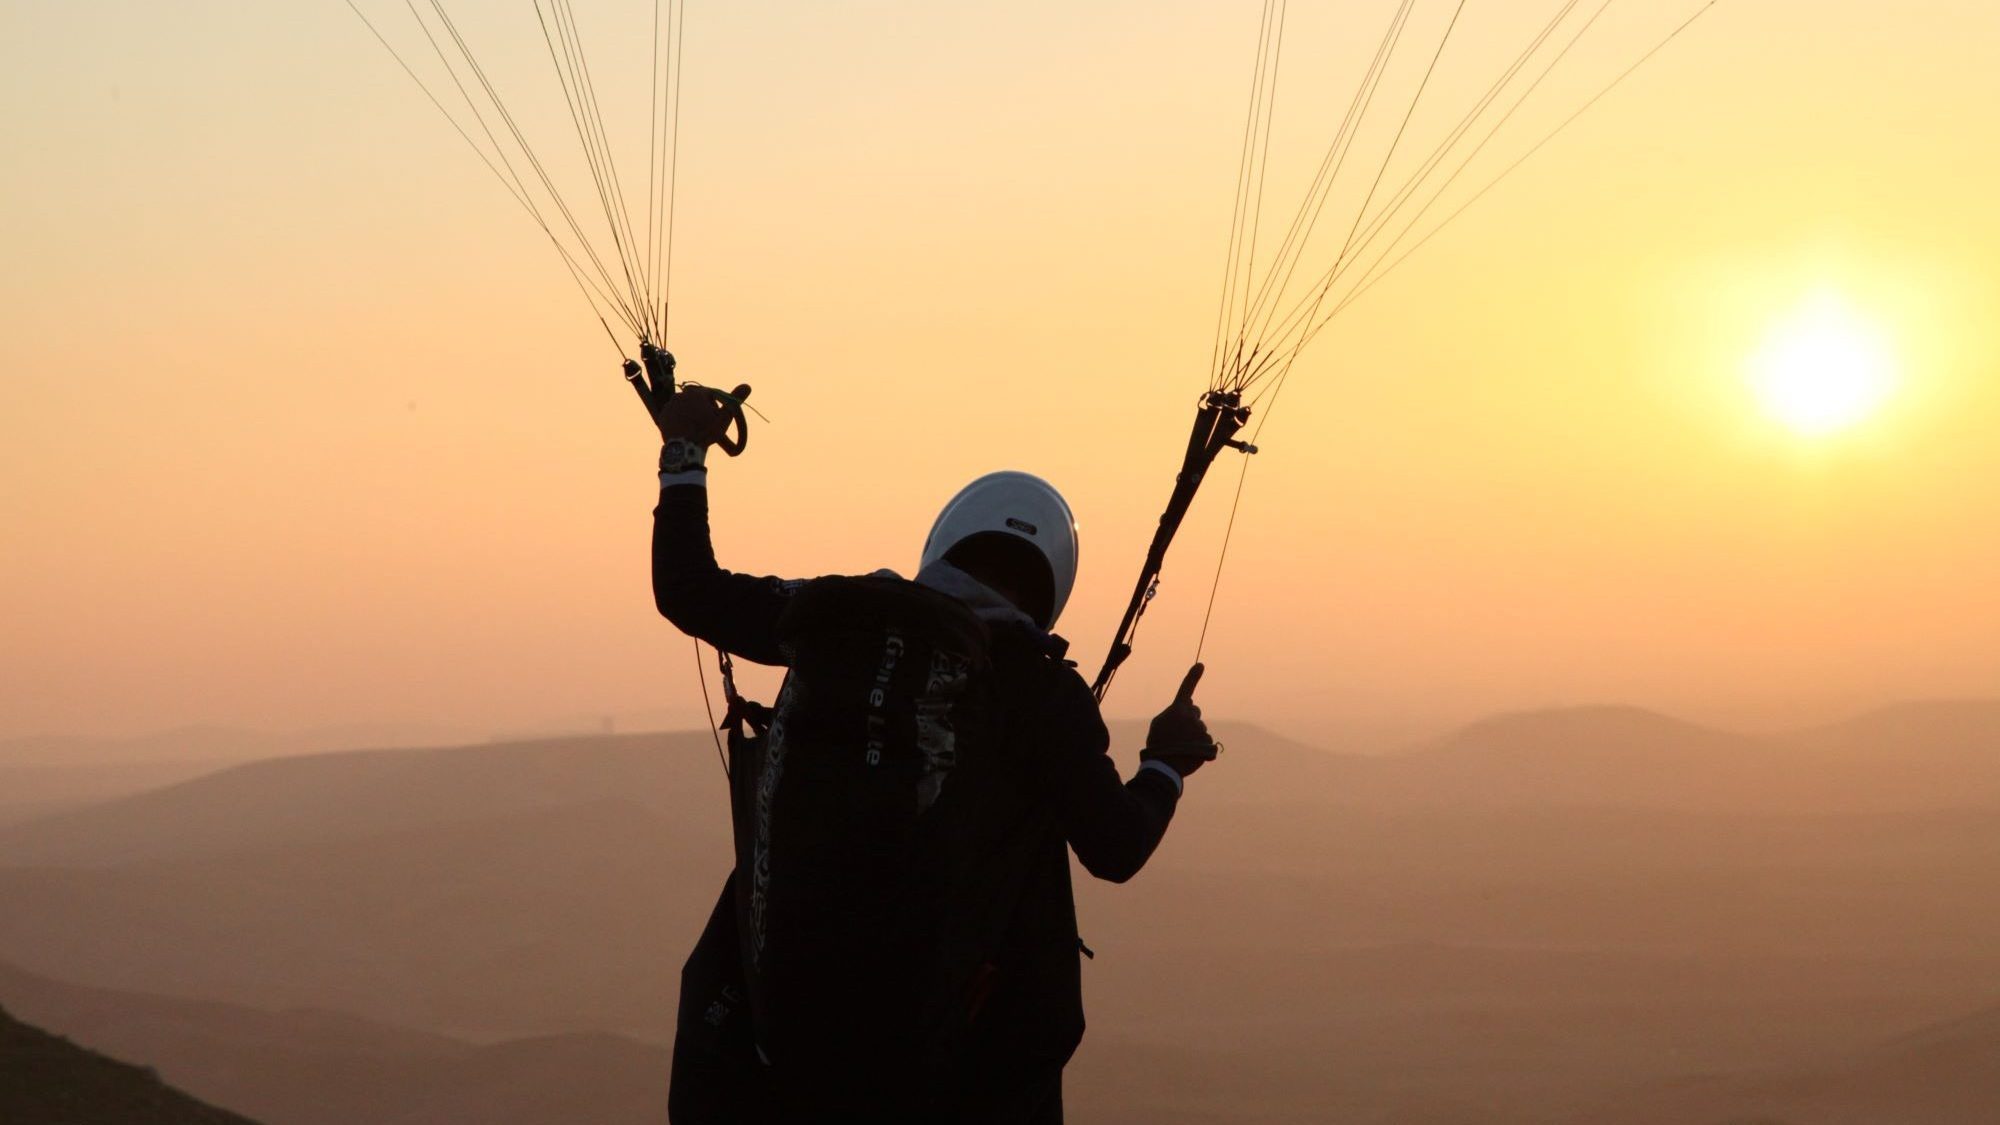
(301, 424)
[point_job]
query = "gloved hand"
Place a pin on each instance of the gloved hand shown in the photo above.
(693, 418)
(1178, 738)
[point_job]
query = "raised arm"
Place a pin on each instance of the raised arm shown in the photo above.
(737, 613)
(1113, 826)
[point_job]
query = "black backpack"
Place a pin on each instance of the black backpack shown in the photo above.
(879, 844)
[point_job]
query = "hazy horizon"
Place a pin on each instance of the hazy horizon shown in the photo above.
(1372, 735)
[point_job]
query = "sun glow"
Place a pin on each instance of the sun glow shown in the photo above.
(1823, 368)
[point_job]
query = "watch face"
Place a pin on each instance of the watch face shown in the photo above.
(678, 454)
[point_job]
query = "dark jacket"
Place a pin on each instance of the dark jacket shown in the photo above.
(1032, 1020)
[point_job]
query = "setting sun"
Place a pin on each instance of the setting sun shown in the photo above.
(1822, 368)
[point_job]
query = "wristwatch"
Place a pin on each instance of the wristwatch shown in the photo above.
(679, 455)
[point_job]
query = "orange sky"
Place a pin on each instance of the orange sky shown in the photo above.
(300, 424)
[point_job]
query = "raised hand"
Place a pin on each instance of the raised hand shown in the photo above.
(693, 418)
(1178, 737)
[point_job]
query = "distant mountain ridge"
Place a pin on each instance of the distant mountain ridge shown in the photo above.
(356, 792)
(216, 743)
(1969, 723)
(35, 792)
(322, 1068)
(1917, 754)
(1907, 758)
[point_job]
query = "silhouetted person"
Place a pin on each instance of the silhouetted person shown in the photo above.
(898, 941)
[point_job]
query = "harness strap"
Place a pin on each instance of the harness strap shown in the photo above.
(744, 718)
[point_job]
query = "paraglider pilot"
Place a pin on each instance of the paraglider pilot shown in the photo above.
(898, 940)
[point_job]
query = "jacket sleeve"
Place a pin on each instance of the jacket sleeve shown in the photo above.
(1112, 825)
(737, 613)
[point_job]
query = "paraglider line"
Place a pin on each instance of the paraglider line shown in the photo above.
(1236, 215)
(514, 187)
(1523, 159)
(1318, 194)
(673, 174)
(708, 705)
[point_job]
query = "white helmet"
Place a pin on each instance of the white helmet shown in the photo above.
(1018, 506)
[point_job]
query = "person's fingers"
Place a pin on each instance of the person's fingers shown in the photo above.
(1186, 694)
(715, 418)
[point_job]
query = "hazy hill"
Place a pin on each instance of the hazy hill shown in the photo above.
(550, 919)
(1392, 1034)
(362, 792)
(1910, 758)
(47, 1080)
(1915, 758)
(578, 1079)
(1472, 1036)
(551, 887)
(320, 1068)
(213, 743)
(1583, 755)
(1939, 725)
(34, 792)
(1945, 1074)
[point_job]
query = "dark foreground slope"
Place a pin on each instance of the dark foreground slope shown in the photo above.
(47, 1080)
